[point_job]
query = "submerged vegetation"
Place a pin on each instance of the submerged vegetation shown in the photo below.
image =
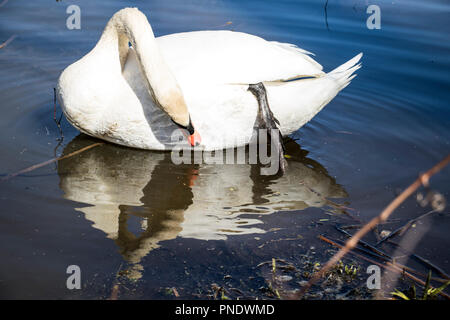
(429, 293)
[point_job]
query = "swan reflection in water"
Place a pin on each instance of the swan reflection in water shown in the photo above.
(140, 198)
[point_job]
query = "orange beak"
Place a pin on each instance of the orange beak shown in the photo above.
(195, 139)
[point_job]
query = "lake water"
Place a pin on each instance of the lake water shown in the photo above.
(136, 224)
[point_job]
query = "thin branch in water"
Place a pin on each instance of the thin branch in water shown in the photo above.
(382, 258)
(326, 14)
(344, 209)
(58, 122)
(365, 244)
(4, 44)
(3, 3)
(423, 179)
(422, 260)
(42, 164)
(394, 267)
(400, 231)
(368, 252)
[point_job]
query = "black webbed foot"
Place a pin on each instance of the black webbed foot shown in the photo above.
(266, 119)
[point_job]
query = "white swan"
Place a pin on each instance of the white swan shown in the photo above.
(138, 95)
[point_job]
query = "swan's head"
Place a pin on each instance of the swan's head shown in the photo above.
(175, 106)
(191, 134)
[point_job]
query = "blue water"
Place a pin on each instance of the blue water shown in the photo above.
(389, 124)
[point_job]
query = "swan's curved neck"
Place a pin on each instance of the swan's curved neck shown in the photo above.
(131, 25)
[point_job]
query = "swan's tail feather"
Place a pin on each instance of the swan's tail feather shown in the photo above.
(350, 63)
(296, 102)
(305, 54)
(342, 74)
(345, 72)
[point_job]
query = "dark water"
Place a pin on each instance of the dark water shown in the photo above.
(113, 210)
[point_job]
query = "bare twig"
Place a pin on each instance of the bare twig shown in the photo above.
(394, 267)
(382, 258)
(424, 261)
(400, 231)
(423, 179)
(10, 39)
(326, 14)
(368, 252)
(344, 209)
(3, 3)
(42, 164)
(365, 244)
(58, 122)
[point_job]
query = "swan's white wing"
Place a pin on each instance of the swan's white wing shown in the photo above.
(233, 57)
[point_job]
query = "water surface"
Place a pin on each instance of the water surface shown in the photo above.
(116, 210)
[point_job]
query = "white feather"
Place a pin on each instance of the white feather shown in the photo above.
(213, 70)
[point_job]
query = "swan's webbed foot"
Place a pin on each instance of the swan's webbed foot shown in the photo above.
(266, 120)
